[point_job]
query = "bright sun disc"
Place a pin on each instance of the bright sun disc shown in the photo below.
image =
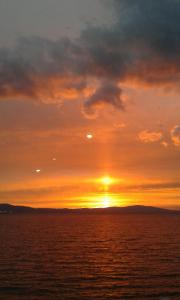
(107, 180)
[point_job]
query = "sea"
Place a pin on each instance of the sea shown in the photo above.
(58, 257)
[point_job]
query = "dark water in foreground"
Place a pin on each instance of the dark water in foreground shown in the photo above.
(49, 257)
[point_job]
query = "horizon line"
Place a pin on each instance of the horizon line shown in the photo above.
(177, 208)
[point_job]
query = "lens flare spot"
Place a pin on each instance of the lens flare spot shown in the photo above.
(89, 136)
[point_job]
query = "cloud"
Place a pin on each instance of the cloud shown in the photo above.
(164, 144)
(107, 94)
(144, 187)
(175, 135)
(147, 136)
(141, 46)
(40, 69)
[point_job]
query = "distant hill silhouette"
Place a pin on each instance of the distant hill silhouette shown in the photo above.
(136, 209)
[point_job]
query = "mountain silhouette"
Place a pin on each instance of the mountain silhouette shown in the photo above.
(135, 209)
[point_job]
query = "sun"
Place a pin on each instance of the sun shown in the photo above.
(106, 180)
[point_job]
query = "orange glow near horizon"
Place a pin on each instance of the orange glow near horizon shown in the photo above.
(106, 201)
(88, 192)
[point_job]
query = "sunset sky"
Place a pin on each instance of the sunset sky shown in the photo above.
(89, 103)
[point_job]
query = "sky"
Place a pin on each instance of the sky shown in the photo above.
(89, 103)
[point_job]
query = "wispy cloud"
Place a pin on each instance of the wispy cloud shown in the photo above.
(147, 136)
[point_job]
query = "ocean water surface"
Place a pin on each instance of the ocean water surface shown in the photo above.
(49, 257)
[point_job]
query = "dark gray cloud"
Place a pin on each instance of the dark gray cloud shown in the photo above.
(36, 66)
(107, 94)
(143, 45)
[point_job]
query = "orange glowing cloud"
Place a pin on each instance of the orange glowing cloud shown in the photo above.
(147, 136)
